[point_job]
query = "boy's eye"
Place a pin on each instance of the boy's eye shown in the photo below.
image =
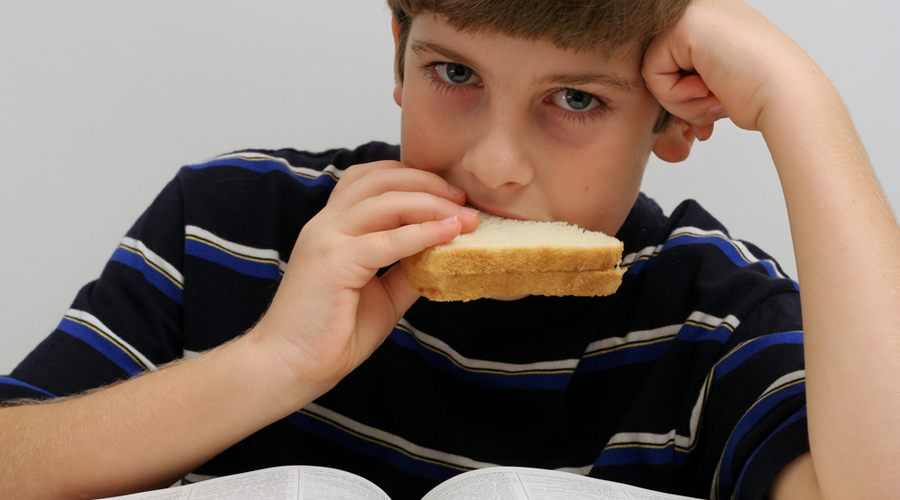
(456, 74)
(575, 100)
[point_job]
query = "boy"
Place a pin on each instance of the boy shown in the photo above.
(526, 124)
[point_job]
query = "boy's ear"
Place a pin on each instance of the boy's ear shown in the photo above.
(398, 84)
(674, 144)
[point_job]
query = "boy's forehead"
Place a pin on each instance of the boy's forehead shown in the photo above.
(431, 35)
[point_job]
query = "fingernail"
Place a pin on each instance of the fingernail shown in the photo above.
(468, 211)
(449, 221)
(699, 96)
(715, 110)
(696, 130)
(456, 191)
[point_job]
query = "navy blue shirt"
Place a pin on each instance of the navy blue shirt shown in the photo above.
(689, 379)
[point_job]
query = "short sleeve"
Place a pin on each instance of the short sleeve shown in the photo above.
(757, 400)
(126, 322)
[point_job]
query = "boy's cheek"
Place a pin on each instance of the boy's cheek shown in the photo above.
(428, 140)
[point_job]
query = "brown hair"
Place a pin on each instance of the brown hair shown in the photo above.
(568, 24)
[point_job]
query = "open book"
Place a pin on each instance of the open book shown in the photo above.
(301, 482)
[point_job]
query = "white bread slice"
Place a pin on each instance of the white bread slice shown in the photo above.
(504, 257)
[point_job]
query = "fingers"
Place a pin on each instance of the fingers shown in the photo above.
(401, 295)
(669, 75)
(385, 176)
(377, 249)
(385, 211)
(395, 209)
(701, 133)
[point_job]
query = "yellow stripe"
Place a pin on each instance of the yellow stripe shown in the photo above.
(671, 442)
(154, 266)
(382, 443)
(485, 370)
(643, 257)
(720, 236)
(630, 344)
(107, 337)
(694, 235)
(773, 391)
(285, 163)
(668, 443)
(235, 254)
(710, 327)
(758, 401)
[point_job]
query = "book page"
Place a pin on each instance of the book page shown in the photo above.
(517, 483)
(320, 483)
(277, 483)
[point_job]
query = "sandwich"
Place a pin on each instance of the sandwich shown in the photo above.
(508, 257)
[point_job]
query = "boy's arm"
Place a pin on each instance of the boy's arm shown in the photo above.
(329, 314)
(844, 234)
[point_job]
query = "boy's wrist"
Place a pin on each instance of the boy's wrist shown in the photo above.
(279, 384)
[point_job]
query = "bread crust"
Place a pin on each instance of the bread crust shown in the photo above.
(463, 260)
(465, 287)
(507, 257)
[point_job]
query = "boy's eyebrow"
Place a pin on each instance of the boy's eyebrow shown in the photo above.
(614, 80)
(420, 46)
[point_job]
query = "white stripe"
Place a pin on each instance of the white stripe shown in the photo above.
(306, 172)
(394, 440)
(584, 470)
(786, 379)
(633, 337)
(646, 252)
(665, 331)
(742, 248)
(690, 230)
(698, 406)
(257, 253)
(714, 322)
(480, 364)
(659, 439)
(153, 258)
(565, 364)
(96, 323)
(193, 477)
(647, 438)
(651, 439)
(780, 382)
(186, 354)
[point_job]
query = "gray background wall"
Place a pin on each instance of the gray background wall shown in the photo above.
(102, 100)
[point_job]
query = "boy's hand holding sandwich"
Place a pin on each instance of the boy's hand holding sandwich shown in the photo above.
(332, 311)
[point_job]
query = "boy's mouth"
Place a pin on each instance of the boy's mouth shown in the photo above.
(497, 212)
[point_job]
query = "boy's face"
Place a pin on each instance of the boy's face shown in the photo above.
(528, 130)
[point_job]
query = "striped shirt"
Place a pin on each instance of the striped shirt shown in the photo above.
(689, 379)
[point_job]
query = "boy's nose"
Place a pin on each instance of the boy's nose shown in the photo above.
(498, 157)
